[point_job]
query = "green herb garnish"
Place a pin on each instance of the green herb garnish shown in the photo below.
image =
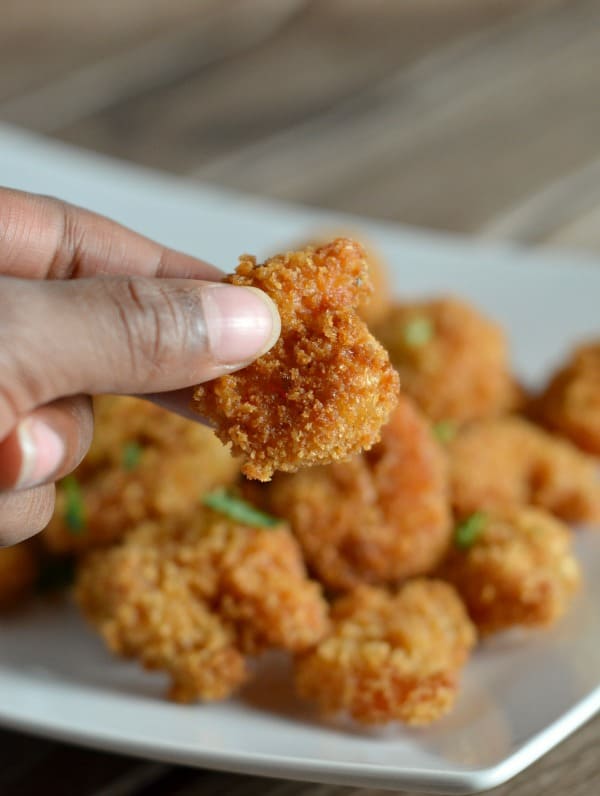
(418, 332)
(237, 509)
(55, 574)
(74, 514)
(468, 531)
(132, 452)
(445, 431)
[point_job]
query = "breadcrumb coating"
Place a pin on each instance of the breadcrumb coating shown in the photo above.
(520, 570)
(570, 404)
(195, 596)
(326, 387)
(378, 518)
(375, 307)
(19, 567)
(495, 464)
(452, 360)
(390, 657)
(144, 463)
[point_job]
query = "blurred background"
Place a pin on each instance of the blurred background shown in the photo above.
(475, 117)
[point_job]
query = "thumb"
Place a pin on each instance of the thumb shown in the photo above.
(123, 335)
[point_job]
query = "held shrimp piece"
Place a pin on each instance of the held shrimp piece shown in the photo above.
(512, 568)
(378, 518)
(375, 307)
(326, 387)
(194, 596)
(452, 360)
(390, 657)
(570, 404)
(495, 464)
(144, 463)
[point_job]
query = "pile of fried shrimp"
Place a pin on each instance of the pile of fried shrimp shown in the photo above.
(375, 496)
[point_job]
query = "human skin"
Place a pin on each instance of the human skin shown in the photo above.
(88, 307)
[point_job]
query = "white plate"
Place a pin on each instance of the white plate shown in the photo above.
(521, 696)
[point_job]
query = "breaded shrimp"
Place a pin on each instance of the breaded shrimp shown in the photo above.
(390, 657)
(375, 307)
(19, 567)
(326, 387)
(452, 360)
(378, 518)
(506, 462)
(194, 596)
(570, 404)
(519, 569)
(144, 463)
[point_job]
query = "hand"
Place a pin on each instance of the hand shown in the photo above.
(87, 307)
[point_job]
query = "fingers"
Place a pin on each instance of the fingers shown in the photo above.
(47, 444)
(178, 401)
(122, 335)
(23, 514)
(44, 238)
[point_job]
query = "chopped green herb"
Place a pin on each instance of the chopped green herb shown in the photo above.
(56, 574)
(237, 509)
(74, 515)
(132, 452)
(418, 331)
(445, 431)
(468, 531)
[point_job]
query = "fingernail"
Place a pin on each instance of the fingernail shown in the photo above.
(242, 322)
(42, 451)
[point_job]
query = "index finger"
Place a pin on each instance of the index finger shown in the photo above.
(45, 238)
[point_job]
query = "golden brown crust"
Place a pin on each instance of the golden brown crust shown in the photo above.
(495, 464)
(390, 657)
(378, 518)
(326, 387)
(452, 360)
(177, 461)
(570, 404)
(193, 597)
(520, 570)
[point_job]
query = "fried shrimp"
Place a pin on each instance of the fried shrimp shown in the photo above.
(19, 567)
(194, 596)
(375, 307)
(452, 360)
(390, 657)
(518, 569)
(144, 463)
(506, 462)
(326, 387)
(570, 404)
(380, 517)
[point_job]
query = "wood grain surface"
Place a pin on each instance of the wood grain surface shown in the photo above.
(474, 117)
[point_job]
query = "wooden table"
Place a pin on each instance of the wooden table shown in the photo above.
(475, 117)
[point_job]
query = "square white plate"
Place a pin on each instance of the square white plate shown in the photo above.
(520, 697)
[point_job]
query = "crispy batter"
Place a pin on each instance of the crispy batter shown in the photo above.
(174, 461)
(570, 404)
(390, 657)
(520, 570)
(452, 360)
(19, 566)
(326, 387)
(375, 307)
(194, 596)
(380, 517)
(506, 462)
